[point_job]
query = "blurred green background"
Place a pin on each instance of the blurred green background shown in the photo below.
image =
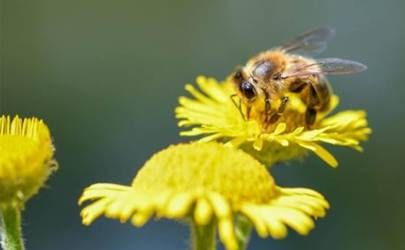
(105, 75)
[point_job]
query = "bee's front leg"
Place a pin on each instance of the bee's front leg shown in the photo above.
(238, 104)
(267, 109)
(274, 117)
(248, 111)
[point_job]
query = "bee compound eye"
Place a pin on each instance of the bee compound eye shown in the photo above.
(248, 90)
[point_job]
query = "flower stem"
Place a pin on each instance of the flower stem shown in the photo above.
(203, 237)
(11, 238)
(243, 231)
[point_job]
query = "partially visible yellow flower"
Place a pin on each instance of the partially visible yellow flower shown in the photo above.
(207, 183)
(26, 159)
(213, 115)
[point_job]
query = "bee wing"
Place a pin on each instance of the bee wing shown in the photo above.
(326, 66)
(312, 40)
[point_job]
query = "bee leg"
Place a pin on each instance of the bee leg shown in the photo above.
(238, 105)
(276, 116)
(267, 105)
(267, 110)
(310, 116)
(248, 109)
(283, 105)
(312, 108)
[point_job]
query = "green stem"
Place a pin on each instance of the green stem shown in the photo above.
(243, 229)
(203, 237)
(11, 238)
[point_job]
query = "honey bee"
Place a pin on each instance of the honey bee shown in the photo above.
(266, 79)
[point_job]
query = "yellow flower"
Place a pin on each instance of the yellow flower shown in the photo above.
(26, 153)
(206, 183)
(213, 115)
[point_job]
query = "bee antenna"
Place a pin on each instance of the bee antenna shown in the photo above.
(238, 105)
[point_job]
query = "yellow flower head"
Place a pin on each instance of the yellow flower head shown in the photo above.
(208, 183)
(213, 115)
(26, 153)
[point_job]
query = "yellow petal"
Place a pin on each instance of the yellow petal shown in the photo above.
(179, 205)
(227, 234)
(321, 152)
(203, 212)
(139, 219)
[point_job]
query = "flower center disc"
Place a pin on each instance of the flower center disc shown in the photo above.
(12, 147)
(25, 159)
(206, 167)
